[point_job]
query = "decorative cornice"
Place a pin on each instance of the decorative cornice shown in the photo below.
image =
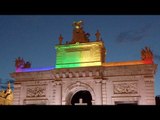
(95, 72)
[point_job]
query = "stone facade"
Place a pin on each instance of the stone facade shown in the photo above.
(108, 83)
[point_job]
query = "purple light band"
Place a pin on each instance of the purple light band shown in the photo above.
(34, 69)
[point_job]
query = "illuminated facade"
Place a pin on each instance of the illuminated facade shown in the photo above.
(81, 76)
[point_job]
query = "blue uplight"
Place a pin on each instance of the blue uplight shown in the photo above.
(35, 69)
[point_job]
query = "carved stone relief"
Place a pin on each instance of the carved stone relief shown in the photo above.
(125, 88)
(36, 91)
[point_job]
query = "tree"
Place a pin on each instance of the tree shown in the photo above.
(158, 100)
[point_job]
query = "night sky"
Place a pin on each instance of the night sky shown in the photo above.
(34, 37)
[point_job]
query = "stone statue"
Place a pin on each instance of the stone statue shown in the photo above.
(20, 64)
(27, 65)
(6, 97)
(79, 34)
(9, 90)
(146, 54)
(60, 39)
(98, 35)
(78, 24)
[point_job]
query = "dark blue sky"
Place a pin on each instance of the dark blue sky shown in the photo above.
(33, 37)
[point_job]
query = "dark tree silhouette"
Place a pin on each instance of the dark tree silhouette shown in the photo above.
(158, 100)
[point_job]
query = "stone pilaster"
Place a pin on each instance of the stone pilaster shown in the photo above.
(104, 93)
(149, 90)
(58, 96)
(16, 94)
(98, 92)
(109, 92)
(141, 87)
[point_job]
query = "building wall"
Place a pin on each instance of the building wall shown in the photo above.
(107, 85)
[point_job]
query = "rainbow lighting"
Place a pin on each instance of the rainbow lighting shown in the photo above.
(80, 54)
(34, 69)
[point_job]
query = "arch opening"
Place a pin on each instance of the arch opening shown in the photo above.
(82, 97)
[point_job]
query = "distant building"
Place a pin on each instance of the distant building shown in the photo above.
(82, 76)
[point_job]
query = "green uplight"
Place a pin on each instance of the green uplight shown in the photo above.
(79, 55)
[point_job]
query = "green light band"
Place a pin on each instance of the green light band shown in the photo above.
(79, 55)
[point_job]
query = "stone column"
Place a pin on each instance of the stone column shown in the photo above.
(58, 96)
(98, 92)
